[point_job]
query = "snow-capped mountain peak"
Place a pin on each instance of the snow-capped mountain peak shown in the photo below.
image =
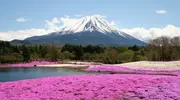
(91, 23)
(94, 30)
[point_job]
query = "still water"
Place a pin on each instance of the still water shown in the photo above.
(14, 74)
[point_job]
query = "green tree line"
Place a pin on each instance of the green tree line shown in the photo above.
(159, 49)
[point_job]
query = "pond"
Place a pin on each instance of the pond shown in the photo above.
(14, 74)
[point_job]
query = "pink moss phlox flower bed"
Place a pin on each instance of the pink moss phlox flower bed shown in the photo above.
(93, 87)
(112, 68)
(30, 64)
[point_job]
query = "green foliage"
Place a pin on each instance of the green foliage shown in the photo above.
(88, 56)
(126, 56)
(25, 53)
(79, 53)
(121, 49)
(52, 53)
(160, 49)
(134, 48)
(35, 56)
(66, 55)
(12, 58)
(138, 56)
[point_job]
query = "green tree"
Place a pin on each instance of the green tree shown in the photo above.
(25, 53)
(66, 55)
(53, 53)
(34, 56)
(79, 53)
(126, 56)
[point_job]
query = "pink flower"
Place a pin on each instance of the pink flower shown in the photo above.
(89, 87)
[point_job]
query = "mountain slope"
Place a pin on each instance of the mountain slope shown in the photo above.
(93, 30)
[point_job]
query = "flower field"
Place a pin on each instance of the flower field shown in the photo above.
(164, 85)
(93, 87)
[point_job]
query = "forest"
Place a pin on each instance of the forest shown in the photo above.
(160, 49)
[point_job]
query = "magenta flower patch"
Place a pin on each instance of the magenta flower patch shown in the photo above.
(93, 87)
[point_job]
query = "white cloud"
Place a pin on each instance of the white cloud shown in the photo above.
(56, 24)
(52, 25)
(161, 11)
(21, 19)
(148, 34)
(55, 20)
(21, 34)
(67, 21)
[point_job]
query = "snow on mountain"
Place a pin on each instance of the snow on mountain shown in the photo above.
(94, 30)
(94, 23)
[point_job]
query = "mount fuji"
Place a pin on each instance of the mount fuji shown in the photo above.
(94, 30)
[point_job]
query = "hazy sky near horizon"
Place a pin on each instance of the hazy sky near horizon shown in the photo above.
(149, 18)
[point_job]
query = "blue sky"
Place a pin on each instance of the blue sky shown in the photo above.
(125, 13)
